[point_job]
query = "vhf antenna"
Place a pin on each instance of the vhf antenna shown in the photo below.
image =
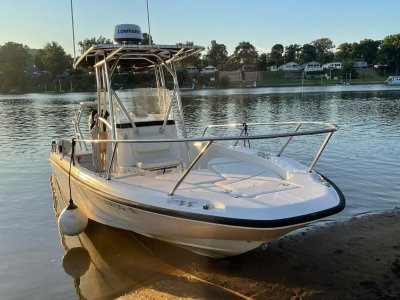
(148, 20)
(73, 30)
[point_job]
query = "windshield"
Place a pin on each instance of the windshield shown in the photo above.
(144, 103)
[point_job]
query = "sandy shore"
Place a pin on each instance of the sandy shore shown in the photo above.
(357, 259)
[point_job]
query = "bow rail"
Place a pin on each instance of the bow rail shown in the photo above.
(328, 130)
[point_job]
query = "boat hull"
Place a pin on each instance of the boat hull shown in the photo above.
(208, 237)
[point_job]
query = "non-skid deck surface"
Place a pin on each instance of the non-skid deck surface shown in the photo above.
(247, 180)
(227, 175)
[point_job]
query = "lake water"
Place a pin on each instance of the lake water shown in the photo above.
(362, 158)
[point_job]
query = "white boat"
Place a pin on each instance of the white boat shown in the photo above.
(90, 259)
(392, 80)
(137, 168)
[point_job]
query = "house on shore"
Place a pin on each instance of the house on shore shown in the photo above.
(209, 70)
(312, 66)
(290, 66)
(272, 68)
(360, 64)
(192, 70)
(333, 65)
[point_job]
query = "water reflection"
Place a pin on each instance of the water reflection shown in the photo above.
(106, 263)
(76, 263)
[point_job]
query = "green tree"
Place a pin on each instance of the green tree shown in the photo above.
(183, 77)
(37, 59)
(348, 68)
(292, 53)
(245, 54)
(322, 47)
(366, 50)
(232, 64)
(344, 52)
(307, 53)
(389, 52)
(54, 58)
(217, 55)
(328, 57)
(192, 60)
(14, 59)
(87, 43)
(262, 62)
(276, 54)
(145, 40)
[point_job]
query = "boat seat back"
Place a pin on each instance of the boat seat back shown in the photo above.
(149, 156)
(151, 147)
(153, 156)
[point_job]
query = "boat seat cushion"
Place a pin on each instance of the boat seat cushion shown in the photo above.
(161, 162)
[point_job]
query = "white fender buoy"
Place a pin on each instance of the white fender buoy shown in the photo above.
(76, 262)
(71, 220)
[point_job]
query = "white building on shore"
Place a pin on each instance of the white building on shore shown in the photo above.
(333, 65)
(192, 70)
(360, 64)
(290, 66)
(312, 66)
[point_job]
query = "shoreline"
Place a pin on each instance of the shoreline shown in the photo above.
(185, 89)
(355, 259)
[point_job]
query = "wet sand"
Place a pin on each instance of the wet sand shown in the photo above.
(357, 259)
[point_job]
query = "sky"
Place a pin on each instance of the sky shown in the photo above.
(263, 23)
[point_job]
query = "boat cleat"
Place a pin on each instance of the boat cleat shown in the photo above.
(324, 182)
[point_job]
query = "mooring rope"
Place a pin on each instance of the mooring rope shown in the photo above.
(72, 161)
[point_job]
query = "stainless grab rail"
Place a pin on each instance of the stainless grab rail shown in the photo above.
(216, 138)
(332, 125)
(104, 121)
(204, 150)
(111, 161)
(210, 140)
(289, 139)
(77, 119)
(298, 125)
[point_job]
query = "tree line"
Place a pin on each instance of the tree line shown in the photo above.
(384, 52)
(54, 61)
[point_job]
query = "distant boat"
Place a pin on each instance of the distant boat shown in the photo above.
(392, 80)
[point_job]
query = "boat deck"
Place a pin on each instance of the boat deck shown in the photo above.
(227, 176)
